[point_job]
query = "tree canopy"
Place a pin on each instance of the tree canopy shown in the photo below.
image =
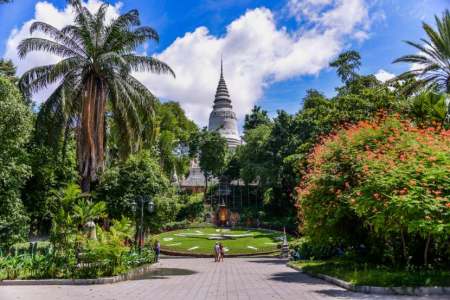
(94, 80)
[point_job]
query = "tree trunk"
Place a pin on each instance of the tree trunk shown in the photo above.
(91, 132)
(425, 252)
(405, 251)
(206, 187)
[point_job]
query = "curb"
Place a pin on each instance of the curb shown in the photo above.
(378, 290)
(103, 280)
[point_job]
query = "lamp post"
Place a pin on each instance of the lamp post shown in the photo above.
(285, 245)
(142, 200)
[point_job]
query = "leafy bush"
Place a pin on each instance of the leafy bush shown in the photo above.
(191, 207)
(140, 175)
(40, 247)
(74, 252)
(15, 129)
(305, 248)
(384, 184)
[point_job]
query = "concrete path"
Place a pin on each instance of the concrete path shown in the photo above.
(201, 278)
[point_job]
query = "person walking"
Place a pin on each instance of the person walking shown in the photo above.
(157, 250)
(216, 252)
(221, 252)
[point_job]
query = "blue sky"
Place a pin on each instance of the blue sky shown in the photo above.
(377, 30)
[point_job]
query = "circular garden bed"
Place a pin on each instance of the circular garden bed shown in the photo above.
(201, 241)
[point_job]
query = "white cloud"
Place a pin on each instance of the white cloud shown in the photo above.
(256, 51)
(383, 75)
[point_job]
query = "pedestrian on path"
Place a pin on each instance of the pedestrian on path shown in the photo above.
(222, 252)
(216, 252)
(157, 250)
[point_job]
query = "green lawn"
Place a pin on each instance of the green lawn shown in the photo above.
(366, 274)
(200, 240)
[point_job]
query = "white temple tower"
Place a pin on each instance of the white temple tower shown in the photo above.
(222, 119)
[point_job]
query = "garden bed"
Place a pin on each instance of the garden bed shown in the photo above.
(129, 275)
(360, 274)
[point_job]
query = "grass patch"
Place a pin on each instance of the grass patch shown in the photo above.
(198, 241)
(374, 275)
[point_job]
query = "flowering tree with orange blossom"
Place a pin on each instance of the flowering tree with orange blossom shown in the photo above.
(384, 184)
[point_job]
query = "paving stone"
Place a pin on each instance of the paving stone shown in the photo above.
(251, 278)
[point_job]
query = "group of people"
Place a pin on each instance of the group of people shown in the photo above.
(219, 252)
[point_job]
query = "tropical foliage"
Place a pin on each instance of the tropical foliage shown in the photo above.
(174, 137)
(14, 162)
(140, 175)
(431, 64)
(94, 78)
(383, 184)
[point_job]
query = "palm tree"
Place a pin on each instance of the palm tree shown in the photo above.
(432, 63)
(86, 212)
(429, 106)
(347, 64)
(95, 81)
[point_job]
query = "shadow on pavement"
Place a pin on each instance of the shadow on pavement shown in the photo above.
(273, 261)
(295, 277)
(163, 273)
(336, 293)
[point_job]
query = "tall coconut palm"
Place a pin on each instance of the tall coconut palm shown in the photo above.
(94, 80)
(432, 63)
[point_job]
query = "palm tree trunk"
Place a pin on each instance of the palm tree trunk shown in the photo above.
(91, 136)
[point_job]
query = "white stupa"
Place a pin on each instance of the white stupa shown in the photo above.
(222, 118)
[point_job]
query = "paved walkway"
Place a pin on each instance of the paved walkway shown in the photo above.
(201, 278)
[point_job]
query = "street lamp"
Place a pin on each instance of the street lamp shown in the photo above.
(150, 208)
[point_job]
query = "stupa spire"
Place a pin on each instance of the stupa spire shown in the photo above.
(222, 118)
(221, 66)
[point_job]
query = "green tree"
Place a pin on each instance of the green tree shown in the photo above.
(346, 65)
(212, 154)
(253, 158)
(85, 212)
(257, 117)
(313, 99)
(7, 69)
(15, 130)
(53, 166)
(432, 62)
(175, 133)
(95, 80)
(140, 175)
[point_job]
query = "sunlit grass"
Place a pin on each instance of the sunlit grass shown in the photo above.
(375, 275)
(260, 241)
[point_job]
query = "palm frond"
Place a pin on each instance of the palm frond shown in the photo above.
(58, 35)
(40, 44)
(148, 64)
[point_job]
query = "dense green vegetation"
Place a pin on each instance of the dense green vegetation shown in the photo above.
(15, 168)
(384, 184)
(95, 84)
(364, 173)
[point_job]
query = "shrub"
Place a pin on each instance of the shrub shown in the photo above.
(384, 184)
(140, 175)
(306, 248)
(40, 247)
(191, 207)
